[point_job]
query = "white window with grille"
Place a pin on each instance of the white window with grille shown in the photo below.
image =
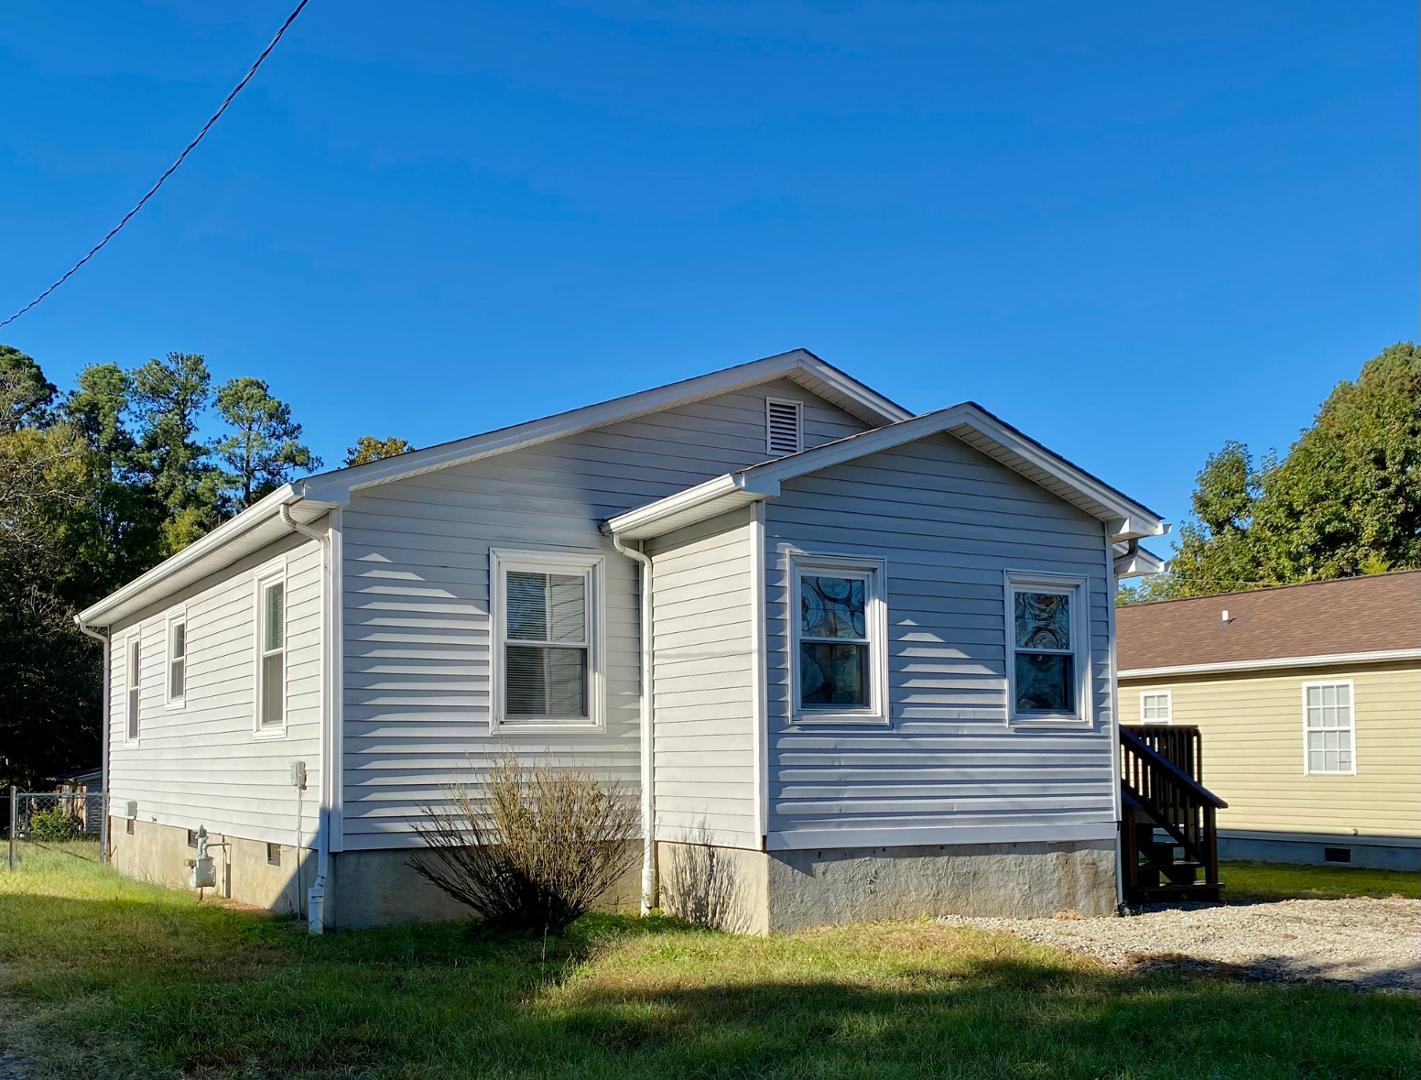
(133, 688)
(1156, 707)
(547, 632)
(784, 426)
(176, 687)
(271, 654)
(1328, 729)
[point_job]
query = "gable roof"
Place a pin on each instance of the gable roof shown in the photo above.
(968, 421)
(1278, 627)
(308, 499)
(798, 365)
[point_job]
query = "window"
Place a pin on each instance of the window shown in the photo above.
(546, 626)
(177, 659)
(1047, 662)
(133, 687)
(271, 654)
(1327, 728)
(1156, 707)
(839, 639)
(784, 422)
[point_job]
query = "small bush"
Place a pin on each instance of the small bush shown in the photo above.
(54, 825)
(531, 848)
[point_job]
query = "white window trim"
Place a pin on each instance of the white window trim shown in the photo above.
(591, 564)
(874, 571)
(132, 732)
(1352, 725)
(1077, 587)
(1168, 696)
(798, 407)
(175, 616)
(264, 578)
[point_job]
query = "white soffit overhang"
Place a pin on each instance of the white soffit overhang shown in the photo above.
(798, 365)
(969, 422)
(250, 531)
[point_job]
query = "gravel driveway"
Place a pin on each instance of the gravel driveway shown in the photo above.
(1371, 943)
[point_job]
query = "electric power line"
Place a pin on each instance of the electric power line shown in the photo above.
(171, 168)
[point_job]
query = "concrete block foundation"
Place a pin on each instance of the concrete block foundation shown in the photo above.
(160, 854)
(1322, 851)
(783, 891)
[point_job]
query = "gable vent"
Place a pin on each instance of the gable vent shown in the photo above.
(783, 421)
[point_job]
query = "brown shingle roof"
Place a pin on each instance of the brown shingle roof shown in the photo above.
(1353, 615)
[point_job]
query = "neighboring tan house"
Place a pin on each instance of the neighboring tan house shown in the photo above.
(877, 678)
(1308, 701)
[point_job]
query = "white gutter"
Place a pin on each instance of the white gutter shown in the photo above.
(1318, 660)
(316, 895)
(103, 734)
(648, 755)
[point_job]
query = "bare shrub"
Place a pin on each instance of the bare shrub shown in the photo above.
(532, 847)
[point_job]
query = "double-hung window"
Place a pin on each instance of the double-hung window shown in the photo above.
(132, 688)
(1047, 655)
(1328, 728)
(1156, 707)
(271, 654)
(177, 659)
(840, 631)
(546, 626)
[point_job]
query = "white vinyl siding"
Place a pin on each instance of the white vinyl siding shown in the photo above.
(201, 764)
(705, 690)
(417, 600)
(1328, 728)
(948, 522)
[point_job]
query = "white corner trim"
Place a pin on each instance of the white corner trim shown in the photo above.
(759, 675)
(1321, 660)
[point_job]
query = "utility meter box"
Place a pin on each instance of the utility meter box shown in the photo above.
(202, 871)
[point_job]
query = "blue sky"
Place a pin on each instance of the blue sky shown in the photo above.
(1133, 230)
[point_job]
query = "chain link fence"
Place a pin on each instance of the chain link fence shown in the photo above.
(56, 823)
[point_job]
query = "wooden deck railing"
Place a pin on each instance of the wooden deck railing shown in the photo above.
(1161, 774)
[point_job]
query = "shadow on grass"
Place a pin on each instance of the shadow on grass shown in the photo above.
(153, 987)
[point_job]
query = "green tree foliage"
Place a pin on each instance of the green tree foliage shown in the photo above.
(1345, 500)
(369, 448)
(25, 394)
(263, 449)
(96, 488)
(169, 397)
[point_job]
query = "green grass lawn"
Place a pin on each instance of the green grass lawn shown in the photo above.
(106, 977)
(1278, 881)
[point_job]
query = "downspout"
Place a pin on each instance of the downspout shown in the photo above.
(316, 895)
(104, 725)
(648, 756)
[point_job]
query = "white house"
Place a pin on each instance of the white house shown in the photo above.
(879, 676)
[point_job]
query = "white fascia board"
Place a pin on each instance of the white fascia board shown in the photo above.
(694, 504)
(206, 552)
(1126, 519)
(1139, 563)
(337, 485)
(1322, 660)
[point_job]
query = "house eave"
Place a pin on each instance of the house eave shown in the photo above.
(1125, 519)
(255, 527)
(1379, 656)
